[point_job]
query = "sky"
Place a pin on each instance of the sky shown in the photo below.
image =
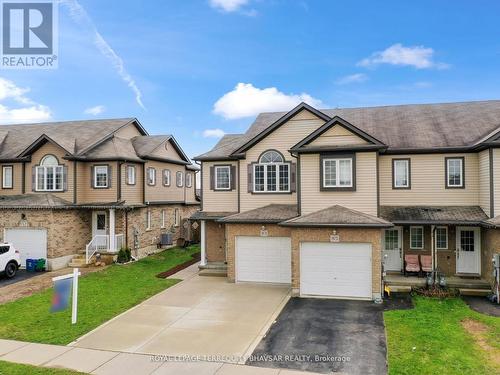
(202, 68)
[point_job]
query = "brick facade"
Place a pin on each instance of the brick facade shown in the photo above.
(490, 245)
(297, 235)
(215, 241)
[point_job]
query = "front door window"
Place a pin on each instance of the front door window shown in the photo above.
(468, 250)
(392, 249)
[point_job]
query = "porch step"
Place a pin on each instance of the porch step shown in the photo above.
(213, 266)
(79, 261)
(474, 292)
(213, 272)
(399, 288)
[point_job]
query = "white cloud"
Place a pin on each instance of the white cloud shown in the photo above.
(246, 100)
(419, 57)
(228, 5)
(29, 111)
(97, 110)
(213, 133)
(80, 15)
(353, 78)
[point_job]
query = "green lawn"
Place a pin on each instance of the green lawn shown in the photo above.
(8, 368)
(102, 295)
(430, 339)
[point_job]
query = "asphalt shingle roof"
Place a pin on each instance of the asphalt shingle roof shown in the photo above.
(273, 213)
(400, 126)
(434, 214)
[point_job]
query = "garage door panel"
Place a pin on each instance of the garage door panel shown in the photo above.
(263, 259)
(30, 242)
(335, 270)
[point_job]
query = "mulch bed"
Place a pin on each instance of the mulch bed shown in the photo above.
(482, 305)
(196, 258)
(398, 301)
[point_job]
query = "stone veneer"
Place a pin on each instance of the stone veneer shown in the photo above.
(353, 235)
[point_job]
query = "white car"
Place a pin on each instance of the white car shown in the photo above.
(10, 260)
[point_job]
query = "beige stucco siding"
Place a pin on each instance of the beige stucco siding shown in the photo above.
(219, 201)
(160, 192)
(338, 136)
(86, 193)
(282, 139)
(128, 132)
(484, 181)
(59, 153)
(428, 182)
(364, 199)
(17, 179)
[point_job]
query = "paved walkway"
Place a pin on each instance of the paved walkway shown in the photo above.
(106, 362)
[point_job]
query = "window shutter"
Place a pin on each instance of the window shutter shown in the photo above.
(212, 178)
(92, 176)
(110, 176)
(65, 178)
(33, 179)
(250, 177)
(293, 177)
(233, 177)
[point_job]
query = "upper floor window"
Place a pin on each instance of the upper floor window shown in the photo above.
(271, 173)
(7, 177)
(337, 172)
(179, 177)
(49, 174)
(131, 175)
(151, 176)
(189, 180)
(222, 177)
(101, 176)
(166, 177)
(454, 172)
(401, 173)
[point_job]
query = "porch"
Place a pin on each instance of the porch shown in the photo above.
(467, 286)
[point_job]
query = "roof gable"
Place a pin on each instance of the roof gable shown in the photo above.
(38, 143)
(278, 123)
(340, 132)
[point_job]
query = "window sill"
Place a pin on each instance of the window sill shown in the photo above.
(347, 188)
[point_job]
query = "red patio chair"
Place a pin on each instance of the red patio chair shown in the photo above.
(426, 263)
(411, 264)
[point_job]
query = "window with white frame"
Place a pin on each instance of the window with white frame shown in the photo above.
(337, 173)
(7, 177)
(166, 177)
(148, 219)
(189, 180)
(222, 177)
(401, 173)
(151, 176)
(417, 238)
(101, 176)
(131, 175)
(178, 179)
(163, 218)
(441, 238)
(177, 218)
(49, 175)
(271, 173)
(454, 172)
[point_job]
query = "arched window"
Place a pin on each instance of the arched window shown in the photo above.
(272, 173)
(49, 175)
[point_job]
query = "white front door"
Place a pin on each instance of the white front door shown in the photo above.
(100, 228)
(264, 259)
(469, 250)
(340, 270)
(392, 249)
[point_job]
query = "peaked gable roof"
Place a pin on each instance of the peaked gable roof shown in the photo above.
(146, 145)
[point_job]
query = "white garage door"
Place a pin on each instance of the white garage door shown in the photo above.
(263, 259)
(31, 243)
(336, 270)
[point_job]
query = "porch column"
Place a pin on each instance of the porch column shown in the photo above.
(112, 244)
(202, 243)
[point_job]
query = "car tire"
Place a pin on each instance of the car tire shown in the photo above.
(10, 270)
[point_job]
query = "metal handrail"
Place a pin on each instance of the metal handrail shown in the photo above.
(99, 242)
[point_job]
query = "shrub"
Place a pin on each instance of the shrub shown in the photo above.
(124, 255)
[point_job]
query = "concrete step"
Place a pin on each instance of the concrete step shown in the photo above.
(399, 288)
(213, 266)
(78, 264)
(474, 292)
(213, 272)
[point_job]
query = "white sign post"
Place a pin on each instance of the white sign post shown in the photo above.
(74, 307)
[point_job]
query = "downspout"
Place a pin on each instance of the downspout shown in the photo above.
(433, 253)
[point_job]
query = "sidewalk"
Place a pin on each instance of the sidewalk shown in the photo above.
(110, 363)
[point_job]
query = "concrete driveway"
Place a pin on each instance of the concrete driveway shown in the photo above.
(348, 337)
(200, 316)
